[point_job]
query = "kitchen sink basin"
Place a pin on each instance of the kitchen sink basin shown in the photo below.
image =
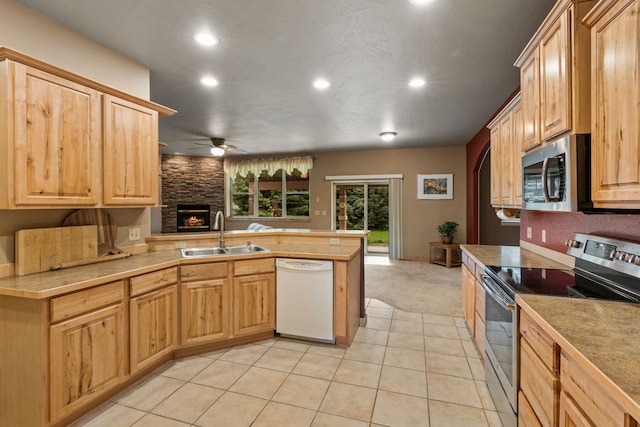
(227, 250)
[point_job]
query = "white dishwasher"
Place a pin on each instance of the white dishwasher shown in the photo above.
(304, 299)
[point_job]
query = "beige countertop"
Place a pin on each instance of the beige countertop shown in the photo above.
(53, 283)
(509, 256)
(601, 334)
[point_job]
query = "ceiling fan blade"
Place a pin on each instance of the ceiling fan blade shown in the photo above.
(200, 143)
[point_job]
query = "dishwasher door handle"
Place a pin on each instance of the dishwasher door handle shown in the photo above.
(306, 265)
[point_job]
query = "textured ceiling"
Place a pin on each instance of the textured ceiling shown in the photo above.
(270, 51)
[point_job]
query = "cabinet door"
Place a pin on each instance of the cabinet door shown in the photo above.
(87, 358)
(154, 326)
(56, 140)
(130, 153)
(615, 42)
(529, 88)
(570, 415)
(539, 385)
(205, 311)
(254, 308)
(506, 160)
(555, 81)
(496, 158)
(469, 297)
(516, 154)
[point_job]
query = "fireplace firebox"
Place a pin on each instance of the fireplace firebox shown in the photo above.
(192, 218)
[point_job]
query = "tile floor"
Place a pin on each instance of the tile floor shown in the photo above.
(403, 369)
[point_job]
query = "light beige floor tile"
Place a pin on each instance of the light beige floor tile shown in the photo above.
(445, 414)
(485, 396)
(317, 366)
(464, 333)
(438, 320)
(268, 342)
(441, 331)
(328, 420)
(302, 391)
(493, 418)
(459, 321)
(146, 395)
(477, 368)
(378, 323)
(444, 346)
(358, 373)
(407, 327)
(110, 415)
(404, 358)
(385, 313)
(470, 349)
(365, 352)
(185, 368)
(349, 401)
(278, 415)
(215, 354)
(259, 382)
(246, 354)
(408, 341)
(279, 359)
(220, 374)
(453, 390)
(406, 381)
(327, 350)
(378, 303)
(371, 336)
(232, 410)
(292, 345)
(188, 402)
(445, 364)
(406, 315)
(151, 420)
(394, 409)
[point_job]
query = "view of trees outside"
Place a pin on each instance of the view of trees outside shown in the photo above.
(378, 215)
(270, 195)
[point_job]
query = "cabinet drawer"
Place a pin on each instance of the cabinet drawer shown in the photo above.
(154, 280)
(479, 334)
(480, 301)
(526, 415)
(471, 265)
(254, 266)
(81, 302)
(592, 399)
(198, 272)
(539, 385)
(540, 342)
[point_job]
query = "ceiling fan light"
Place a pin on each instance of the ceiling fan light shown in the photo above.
(388, 136)
(217, 151)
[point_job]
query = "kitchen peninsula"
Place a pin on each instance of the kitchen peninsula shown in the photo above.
(80, 335)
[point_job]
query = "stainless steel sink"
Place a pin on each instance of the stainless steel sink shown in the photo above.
(227, 250)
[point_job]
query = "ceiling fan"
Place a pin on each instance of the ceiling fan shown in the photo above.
(219, 148)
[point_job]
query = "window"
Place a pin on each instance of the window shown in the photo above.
(275, 196)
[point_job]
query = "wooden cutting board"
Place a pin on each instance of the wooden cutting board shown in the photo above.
(41, 248)
(107, 230)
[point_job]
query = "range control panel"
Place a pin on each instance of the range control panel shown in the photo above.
(620, 255)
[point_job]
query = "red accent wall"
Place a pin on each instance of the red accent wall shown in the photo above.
(560, 225)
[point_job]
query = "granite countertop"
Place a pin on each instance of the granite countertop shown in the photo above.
(53, 283)
(510, 256)
(602, 334)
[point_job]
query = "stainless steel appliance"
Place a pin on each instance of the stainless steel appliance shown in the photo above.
(557, 177)
(605, 268)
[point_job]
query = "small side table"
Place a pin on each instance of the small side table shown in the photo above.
(446, 254)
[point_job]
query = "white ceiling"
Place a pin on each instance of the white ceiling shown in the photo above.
(270, 52)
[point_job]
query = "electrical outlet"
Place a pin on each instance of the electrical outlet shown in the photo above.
(134, 233)
(544, 236)
(334, 241)
(529, 232)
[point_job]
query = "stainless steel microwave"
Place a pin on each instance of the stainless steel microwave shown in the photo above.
(557, 177)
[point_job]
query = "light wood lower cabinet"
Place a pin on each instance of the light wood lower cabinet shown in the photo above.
(87, 358)
(526, 415)
(570, 414)
(473, 299)
(254, 303)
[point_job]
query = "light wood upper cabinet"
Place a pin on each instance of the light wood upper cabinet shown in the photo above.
(555, 75)
(496, 159)
(516, 153)
(615, 91)
(506, 159)
(50, 139)
(130, 153)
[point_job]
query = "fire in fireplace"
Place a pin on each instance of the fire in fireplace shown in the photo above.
(193, 218)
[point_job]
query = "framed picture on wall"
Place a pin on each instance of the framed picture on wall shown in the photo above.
(435, 186)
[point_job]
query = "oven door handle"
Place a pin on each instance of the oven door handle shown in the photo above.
(496, 293)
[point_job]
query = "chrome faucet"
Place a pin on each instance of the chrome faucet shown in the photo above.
(219, 225)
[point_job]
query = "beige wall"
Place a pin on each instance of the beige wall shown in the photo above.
(33, 34)
(420, 217)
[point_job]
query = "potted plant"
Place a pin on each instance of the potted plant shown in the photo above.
(447, 231)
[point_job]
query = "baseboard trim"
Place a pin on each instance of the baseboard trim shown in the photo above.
(565, 259)
(7, 270)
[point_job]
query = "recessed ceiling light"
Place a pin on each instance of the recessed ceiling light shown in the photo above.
(321, 84)
(209, 81)
(206, 39)
(388, 136)
(417, 82)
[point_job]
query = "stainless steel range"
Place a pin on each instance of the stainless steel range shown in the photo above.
(605, 268)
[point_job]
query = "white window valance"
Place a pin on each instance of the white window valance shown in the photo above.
(256, 166)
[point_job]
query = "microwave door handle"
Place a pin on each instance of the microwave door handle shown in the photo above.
(545, 184)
